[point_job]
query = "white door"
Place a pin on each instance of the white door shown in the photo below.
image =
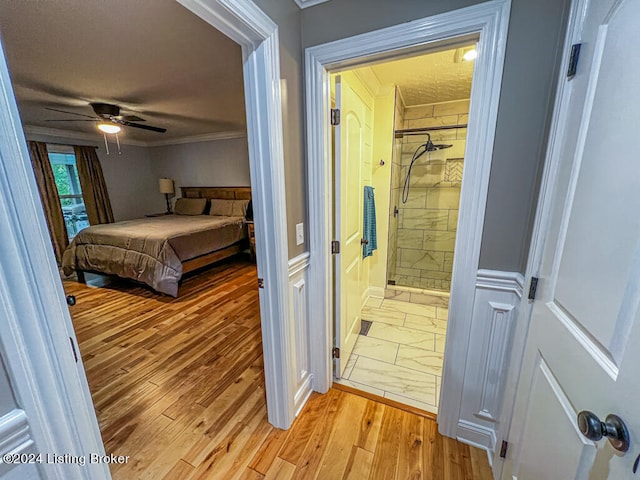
(350, 153)
(45, 404)
(582, 350)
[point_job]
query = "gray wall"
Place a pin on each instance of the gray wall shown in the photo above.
(133, 188)
(287, 15)
(536, 31)
(217, 163)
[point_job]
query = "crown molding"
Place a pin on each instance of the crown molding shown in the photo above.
(308, 3)
(60, 133)
(207, 137)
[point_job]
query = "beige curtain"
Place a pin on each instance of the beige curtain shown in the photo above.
(94, 189)
(49, 196)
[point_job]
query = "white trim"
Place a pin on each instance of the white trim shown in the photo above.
(245, 23)
(496, 301)
(60, 133)
(15, 436)
(476, 435)
(299, 263)
(501, 281)
(299, 308)
(205, 137)
(541, 222)
(377, 292)
(490, 21)
(308, 3)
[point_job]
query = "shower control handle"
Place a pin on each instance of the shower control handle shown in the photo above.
(364, 241)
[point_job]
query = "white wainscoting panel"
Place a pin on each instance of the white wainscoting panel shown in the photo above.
(495, 307)
(299, 311)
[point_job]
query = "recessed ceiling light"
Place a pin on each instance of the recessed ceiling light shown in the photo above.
(470, 55)
(109, 127)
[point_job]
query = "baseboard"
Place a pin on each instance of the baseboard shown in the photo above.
(303, 393)
(377, 292)
(476, 435)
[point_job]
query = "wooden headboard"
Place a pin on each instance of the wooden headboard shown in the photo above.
(228, 193)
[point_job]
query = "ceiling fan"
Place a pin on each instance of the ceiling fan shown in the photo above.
(109, 118)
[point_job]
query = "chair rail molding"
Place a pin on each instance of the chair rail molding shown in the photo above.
(489, 21)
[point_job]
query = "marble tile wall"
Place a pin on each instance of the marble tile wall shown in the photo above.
(424, 232)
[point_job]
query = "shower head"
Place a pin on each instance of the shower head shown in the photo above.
(432, 147)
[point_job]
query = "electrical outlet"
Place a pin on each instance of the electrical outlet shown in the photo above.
(299, 233)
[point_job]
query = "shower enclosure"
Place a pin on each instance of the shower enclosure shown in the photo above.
(423, 221)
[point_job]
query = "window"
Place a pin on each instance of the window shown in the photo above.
(65, 173)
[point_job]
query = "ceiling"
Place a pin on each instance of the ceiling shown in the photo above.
(430, 78)
(154, 58)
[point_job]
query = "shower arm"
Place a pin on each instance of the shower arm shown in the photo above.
(422, 131)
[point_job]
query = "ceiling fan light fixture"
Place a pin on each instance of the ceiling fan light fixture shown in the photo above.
(107, 127)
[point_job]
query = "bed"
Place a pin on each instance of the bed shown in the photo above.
(158, 250)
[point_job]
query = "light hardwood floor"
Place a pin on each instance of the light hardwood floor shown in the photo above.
(178, 385)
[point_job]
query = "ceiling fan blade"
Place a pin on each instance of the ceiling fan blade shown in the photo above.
(73, 120)
(130, 118)
(143, 127)
(70, 113)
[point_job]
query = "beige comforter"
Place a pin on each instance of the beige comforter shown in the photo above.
(150, 250)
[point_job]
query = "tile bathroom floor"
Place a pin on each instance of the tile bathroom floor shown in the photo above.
(401, 356)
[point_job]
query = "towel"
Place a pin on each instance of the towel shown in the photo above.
(369, 227)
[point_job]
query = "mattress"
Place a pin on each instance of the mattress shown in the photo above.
(151, 250)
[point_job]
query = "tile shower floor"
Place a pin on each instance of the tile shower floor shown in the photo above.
(401, 356)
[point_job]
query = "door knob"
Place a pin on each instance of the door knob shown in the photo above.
(613, 428)
(71, 300)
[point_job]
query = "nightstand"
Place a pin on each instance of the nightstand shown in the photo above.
(157, 214)
(252, 238)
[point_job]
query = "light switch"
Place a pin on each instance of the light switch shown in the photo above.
(299, 233)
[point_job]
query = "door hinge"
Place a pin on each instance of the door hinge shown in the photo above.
(503, 449)
(335, 246)
(533, 288)
(573, 60)
(261, 283)
(335, 116)
(335, 352)
(73, 349)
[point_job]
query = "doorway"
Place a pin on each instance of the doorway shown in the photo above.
(486, 22)
(408, 118)
(38, 338)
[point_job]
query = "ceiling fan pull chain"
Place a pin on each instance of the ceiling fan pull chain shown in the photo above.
(118, 142)
(106, 145)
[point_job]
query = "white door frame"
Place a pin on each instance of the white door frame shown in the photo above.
(257, 34)
(490, 22)
(35, 325)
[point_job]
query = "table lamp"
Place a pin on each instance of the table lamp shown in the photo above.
(166, 187)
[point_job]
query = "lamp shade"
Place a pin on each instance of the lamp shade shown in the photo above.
(166, 185)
